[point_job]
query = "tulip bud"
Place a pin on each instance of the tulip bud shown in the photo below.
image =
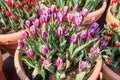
(8, 13)
(33, 31)
(90, 33)
(94, 26)
(78, 19)
(27, 23)
(20, 43)
(94, 51)
(44, 34)
(46, 62)
(37, 23)
(45, 16)
(92, 19)
(53, 9)
(18, 6)
(83, 64)
(41, 9)
(29, 52)
(60, 17)
(74, 38)
(76, 7)
(64, 10)
(25, 34)
(83, 34)
(34, 17)
(97, 38)
(44, 49)
(71, 17)
(9, 3)
(84, 12)
(108, 60)
(104, 44)
(59, 62)
(60, 31)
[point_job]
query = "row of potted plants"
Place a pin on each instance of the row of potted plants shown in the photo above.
(66, 43)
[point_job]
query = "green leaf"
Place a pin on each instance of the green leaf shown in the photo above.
(42, 72)
(60, 75)
(50, 68)
(95, 58)
(80, 75)
(28, 61)
(82, 47)
(67, 60)
(71, 48)
(63, 45)
(35, 72)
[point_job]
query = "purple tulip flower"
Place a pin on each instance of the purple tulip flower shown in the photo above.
(46, 62)
(45, 16)
(97, 38)
(60, 17)
(90, 33)
(104, 44)
(94, 26)
(53, 9)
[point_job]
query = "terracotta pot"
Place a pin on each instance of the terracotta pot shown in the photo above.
(9, 41)
(21, 73)
(109, 74)
(2, 76)
(110, 19)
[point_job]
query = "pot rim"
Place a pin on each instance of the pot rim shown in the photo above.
(20, 70)
(109, 74)
(110, 18)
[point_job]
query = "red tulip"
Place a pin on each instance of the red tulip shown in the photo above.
(26, 8)
(0, 7)
(108, 60)
(16, 16)
(32, 3)
(116, 43)
(9, 3)
(18, 6)
(8, 13)
(115, 1)
(25, 2)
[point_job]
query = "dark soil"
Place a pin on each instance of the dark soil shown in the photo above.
(116, 70)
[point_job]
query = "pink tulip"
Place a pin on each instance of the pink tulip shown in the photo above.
(94, 26)
(59, 62)
(78, 19)
(60, 17)
(20, 43)
(76, 7)
(97, 38)
(71, 17)
(65, 10)
(29, 52)
(83, 34)
(92, 19)
(33, 31)
(53, 9)
(44, 34)
(34, 17)
(74, 38)
(27, 23)
(37, 23)
(90, 33)
(60, 31)
(84, 12)
(93, 51)
(45, 16)
(83, 64)
(46, 62)
(44, 49)
(41, 9)
(25, 34)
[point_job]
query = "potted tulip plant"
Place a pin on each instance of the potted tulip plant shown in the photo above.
(96, 8)
(12, 18)
(113, 14)
(57, 50)
(111, 52)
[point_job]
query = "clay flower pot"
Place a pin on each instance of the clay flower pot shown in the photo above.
(21, 73)
(96, 14)
(109, 74)
(110, 19)
(9, 41)
(2, 76)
